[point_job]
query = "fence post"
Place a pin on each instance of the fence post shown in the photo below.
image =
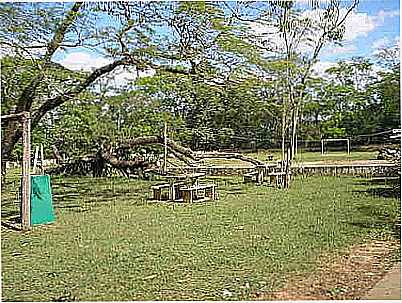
(322, 146)
(26, 177)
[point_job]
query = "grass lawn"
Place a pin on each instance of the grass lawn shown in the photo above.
(110, 244)
(316, 156)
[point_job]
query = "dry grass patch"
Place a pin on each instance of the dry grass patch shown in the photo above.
(345, 277)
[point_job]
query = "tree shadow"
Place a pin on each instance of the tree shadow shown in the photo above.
(381, 187)
(380, 223)
(380, 216)
(10, 214)
(76, 194)
(11, 225)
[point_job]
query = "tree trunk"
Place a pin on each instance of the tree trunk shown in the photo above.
(107, 155)
(294, 129)
(98, 165)
(56, 154)
(283, 134)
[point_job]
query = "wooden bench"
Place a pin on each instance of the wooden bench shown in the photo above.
(191, 194)
(157, 190)
(250, 177)
(254, 176)
(178, 193)
(277, 178)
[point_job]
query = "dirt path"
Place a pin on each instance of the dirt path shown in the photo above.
(346, 277)
(389, 288)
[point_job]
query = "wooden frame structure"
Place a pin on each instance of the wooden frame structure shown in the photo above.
(332, 140)
(25, 119)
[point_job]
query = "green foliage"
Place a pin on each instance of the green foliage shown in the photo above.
(229, 86)
(359, 101)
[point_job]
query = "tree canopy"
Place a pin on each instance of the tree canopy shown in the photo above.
(222, 74)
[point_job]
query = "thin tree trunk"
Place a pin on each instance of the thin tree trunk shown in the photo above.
(294, 129)
(283, 134)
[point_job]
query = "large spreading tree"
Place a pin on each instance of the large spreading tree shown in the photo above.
(176, 37)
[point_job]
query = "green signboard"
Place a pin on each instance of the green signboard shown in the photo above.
(42, 211)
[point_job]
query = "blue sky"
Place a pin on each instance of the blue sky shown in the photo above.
(375, 23)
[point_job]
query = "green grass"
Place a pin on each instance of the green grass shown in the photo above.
(302, 156)
(336, 156)
(316, 156)
(109, 243)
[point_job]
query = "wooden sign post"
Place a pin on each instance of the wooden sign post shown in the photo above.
(26, 176)
(165, 150)
(25, 119)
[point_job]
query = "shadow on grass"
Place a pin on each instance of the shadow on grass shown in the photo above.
(10, 214)
(74, 194)
(385, 187)
(393, 226)
(378, 180)
(380, 216)
(11, 225)
(385, 192)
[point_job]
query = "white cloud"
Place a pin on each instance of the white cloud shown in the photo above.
(385, 42)
(119, 77)
(358, 24)
(83, 61)
(339, 50)
(122, 76)
(382, 15)
(397, 41)
(361, 24)
(379, 43)
(320, 67)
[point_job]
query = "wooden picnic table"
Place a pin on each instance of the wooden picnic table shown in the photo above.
(276, 177)
(174, 179)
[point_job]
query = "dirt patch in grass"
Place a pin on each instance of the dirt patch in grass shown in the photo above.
(345, 277)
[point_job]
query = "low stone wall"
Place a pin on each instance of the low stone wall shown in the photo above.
(219, 170)
(368, 170)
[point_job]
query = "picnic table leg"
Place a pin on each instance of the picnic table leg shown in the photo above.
(188, 196)
(157, 194)
(172, 192)
(260, 177)
(213, 192)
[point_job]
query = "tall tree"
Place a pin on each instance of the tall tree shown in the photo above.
(176, 37)
(298, 36)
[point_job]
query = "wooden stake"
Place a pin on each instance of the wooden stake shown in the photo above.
(348, 146)
(165, 154)
(322, 146)
(35, 163)
(42, 159)
(26, 177)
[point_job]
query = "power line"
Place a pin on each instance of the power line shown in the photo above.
(374, 134)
